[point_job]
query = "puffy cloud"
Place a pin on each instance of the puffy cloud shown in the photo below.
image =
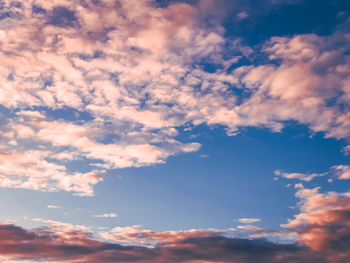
(101, 59)
(307, 82)
(324, 222)
(342, 171)
(30, 170)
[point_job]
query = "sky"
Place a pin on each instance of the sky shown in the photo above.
(167, 131)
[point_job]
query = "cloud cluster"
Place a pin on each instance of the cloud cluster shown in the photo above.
(339, 172)
(137, 235)
(324, 222)
(18, 245)
(307, 81)
(110, 86)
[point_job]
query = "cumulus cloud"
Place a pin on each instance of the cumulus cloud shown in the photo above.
(324, 222)
(311, 72)
(342, 171)
(30, 170)
(91, 60)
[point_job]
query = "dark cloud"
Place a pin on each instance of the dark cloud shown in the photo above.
(78, 246)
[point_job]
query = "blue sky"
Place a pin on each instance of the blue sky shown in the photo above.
(158, 124)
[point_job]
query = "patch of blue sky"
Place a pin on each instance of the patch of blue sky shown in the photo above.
(62, 17)
(320, 17)
(38, 10)
(234, 181)
(67, 114)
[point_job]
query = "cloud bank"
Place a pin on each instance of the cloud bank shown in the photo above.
(321, 233)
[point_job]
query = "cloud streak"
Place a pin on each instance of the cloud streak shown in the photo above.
(110, 215)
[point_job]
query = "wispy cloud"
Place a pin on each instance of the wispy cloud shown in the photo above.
(249, 220)
(53, 207)
(299, 176)
(340, 172)
(137, 235)
(110, 215)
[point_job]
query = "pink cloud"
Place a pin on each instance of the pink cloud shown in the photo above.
(299, 176)
(342, 171)
(30, 170)
(137, 235)
(76, 244)
(324, 222)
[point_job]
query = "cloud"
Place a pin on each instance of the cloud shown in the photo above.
(18, 244)
(342, 171)
(30, 170)
(249, 220)
(242, 15)
(347, 149)
(87, 59)
(136, 235)
(324, 222)
(53, 207)
(310, 73)
(110, 215)
(299, 176)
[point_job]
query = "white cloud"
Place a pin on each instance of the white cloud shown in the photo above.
(249, 220)
(53, 207)
(299, 176)
(110, 215)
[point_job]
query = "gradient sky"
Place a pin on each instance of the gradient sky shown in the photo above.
(168, 131)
